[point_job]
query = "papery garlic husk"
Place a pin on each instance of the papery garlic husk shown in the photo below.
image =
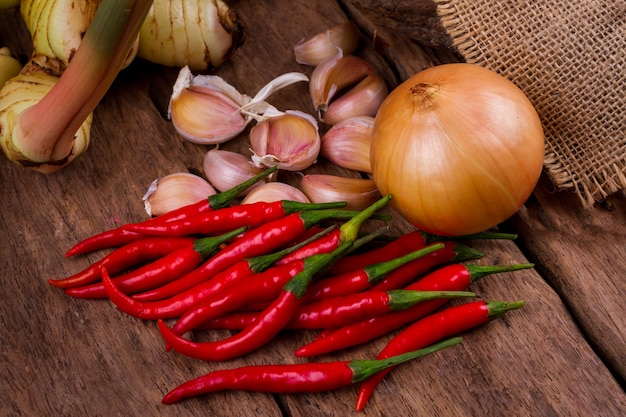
(290, 140)
(358, 193)
(174, 191)
(334, 75)
(205, 109)
(227, 169)
(57, 28)
(20, 93)
(275, 191)
(347, 144)
(201, 34)
(364, 99)
(340, 39)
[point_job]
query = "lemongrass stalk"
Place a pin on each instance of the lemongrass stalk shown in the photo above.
(46, 130)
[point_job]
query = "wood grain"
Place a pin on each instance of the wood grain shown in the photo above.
(67, 357)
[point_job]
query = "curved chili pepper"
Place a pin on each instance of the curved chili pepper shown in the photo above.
(227, 218)
(455, 277)
(161, 271)
(271, 321)
(404, 244)
(180, 303)
(123, 258)
(121, 236)
(263, 239)
(430, 329)
(260, 288)
(294, 378)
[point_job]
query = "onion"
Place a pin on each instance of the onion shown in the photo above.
(459, 147)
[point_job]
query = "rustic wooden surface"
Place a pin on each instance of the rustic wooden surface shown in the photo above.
(563, 354)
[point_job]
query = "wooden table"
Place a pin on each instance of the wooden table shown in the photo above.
(563, 354)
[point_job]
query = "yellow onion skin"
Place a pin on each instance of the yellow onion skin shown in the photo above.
(459, 147)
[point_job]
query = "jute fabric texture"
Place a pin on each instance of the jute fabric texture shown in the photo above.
(569, 59)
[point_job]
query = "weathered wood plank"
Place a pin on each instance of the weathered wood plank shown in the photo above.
(71, 357)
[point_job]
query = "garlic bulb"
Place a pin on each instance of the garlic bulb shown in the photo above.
(227, 169)
(347, 144)
(275, 191)
(364, 99)
(333, 76)
(340, 39)
(174, 191)
(290, 140)
(357, 192)
(201, 34)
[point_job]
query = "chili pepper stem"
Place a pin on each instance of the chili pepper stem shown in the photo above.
(479, 271)
(224, 198)
(498, 308)
(364, 369)
(377, 271)
(350, 229)
(465, 253)
(403, 299)
(206, 245)
(482, 235)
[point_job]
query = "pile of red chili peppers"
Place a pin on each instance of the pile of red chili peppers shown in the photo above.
(262, 268)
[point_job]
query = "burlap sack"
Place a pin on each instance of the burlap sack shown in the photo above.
(567, 56)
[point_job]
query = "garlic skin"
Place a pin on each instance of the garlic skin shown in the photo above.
(275, 191)
(290, 140)
(364, 99)
(340, 39)
(347, 144)
(227, 169)
(334, 75)
(201, 34)
(358, 193)
(174, 191)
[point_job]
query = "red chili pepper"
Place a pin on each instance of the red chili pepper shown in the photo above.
(161, 271)
(348, 309)
(293, 378)
(430, 329)
(180, 303)
(120, 236)
(271, 321)
(260, 288)
(124, 258)
(227, 218)
(405, 274)
(404, 244)
(262, 240)
(455, 277)
(362, 279)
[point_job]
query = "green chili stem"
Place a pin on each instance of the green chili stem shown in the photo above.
(363, 369)
(224, 198)
(479, 271)
(403, 299)
(377, 271)
(498, 308)
(207, 245)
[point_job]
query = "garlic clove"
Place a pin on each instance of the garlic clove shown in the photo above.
(174, 191)
(347, 144)
(275, 191)
(290, 140)
(364, 99)
(340, 39)
(205, 109)
(227, 169)
(334, 75)
(358, 193)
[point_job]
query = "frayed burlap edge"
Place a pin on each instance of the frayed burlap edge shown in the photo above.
(592, 182)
